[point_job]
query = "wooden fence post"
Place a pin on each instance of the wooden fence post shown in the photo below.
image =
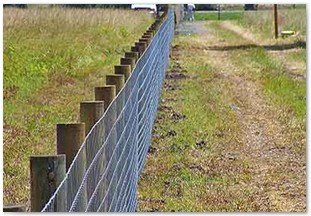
(152, 32)
(106, 93)
(147, 38)
(117, 80)
(46, 173)
(141, 46)
(69, 140)
(90, 112)
(132, 55)
(144, 40)
(14, 208)
(124, 69)
(148, 34)
(126, 61)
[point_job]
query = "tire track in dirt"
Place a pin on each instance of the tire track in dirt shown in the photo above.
(278, 178)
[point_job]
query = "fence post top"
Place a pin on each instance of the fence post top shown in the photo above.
(105, 86)
(123, 65)
(72, 125)
(61, 156)
(114, 75)
(91, 102)
(14, 208)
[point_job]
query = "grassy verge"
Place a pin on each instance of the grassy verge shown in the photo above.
(53, 59)
(232, 15)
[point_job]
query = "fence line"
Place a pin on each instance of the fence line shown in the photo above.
(103, 176)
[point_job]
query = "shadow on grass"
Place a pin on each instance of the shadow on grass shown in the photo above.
(297, 44)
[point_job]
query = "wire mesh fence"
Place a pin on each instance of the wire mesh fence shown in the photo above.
(104, 174)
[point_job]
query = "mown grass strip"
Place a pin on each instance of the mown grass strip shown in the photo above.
(228, 15)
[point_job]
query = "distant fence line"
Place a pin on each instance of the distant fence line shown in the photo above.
(100, 171)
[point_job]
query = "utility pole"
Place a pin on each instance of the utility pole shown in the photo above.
(276, 21)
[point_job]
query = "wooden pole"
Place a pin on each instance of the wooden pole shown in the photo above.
(147, 34)
(276, 21)
(106, 93)
(141, 46)
(69, 140)
(132, 55)
(124, 64)
(127, 61)
(90, 112)
(135, 49)
(14, 208)
(152, 32)
(46, 173)
(124, 69)
(117, 80)
(144, 40)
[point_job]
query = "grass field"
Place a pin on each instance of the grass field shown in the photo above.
(53, 59)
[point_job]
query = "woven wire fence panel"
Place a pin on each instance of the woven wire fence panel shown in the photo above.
(104, 174)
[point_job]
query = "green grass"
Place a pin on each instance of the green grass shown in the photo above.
(282, 89)
(232, 15)
(53, 58)
(300, 56)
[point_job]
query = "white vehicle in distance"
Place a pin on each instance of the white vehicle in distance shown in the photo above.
(151, 7)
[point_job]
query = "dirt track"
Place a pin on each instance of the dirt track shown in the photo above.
(264, 138)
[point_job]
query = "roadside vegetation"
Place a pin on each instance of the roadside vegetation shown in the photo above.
(53, 58)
